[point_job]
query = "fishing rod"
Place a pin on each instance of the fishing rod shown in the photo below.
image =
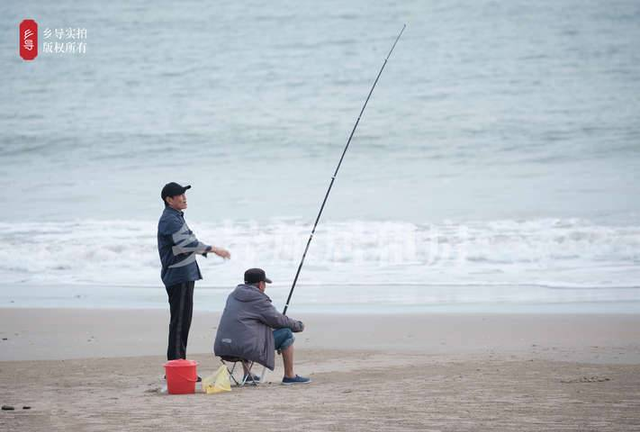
(333, 177)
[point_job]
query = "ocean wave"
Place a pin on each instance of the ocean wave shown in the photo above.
(553, 253)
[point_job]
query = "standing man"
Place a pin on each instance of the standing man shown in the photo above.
(178, 246)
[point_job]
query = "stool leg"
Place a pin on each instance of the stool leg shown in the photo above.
(262, 375)
(249, 375)
(233, 368)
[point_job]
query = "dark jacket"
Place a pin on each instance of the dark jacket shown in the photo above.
(178, 246)
(246, 326)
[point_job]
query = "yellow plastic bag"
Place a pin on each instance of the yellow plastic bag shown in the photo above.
(218, 382)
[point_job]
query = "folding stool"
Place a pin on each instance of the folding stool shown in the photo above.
(246, 378)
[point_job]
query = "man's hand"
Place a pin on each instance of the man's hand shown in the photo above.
(221, 252)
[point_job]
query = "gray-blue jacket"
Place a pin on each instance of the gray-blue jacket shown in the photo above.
(178, 246)
(246, 326)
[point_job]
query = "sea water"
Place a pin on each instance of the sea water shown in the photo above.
(497, 161)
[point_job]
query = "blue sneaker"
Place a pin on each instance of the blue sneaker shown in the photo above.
(297, 380)
(251, 378)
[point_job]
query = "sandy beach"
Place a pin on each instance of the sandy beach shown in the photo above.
(448, 186)
(91, 370)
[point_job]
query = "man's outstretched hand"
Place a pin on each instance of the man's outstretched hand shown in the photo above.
(221, 252)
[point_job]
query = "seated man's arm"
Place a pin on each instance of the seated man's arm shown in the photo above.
(270, 316)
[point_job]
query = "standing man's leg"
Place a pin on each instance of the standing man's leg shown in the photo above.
(181, 305)
(188, 315)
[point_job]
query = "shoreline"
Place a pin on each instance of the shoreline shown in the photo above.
(354, 299)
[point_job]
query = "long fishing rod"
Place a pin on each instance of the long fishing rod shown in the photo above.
(333, 177)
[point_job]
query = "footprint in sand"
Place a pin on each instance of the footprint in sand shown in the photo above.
(585, 379)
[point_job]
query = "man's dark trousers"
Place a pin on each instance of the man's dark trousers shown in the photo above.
(181, 305)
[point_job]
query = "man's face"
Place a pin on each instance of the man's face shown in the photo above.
(262, 286)
(178, 202)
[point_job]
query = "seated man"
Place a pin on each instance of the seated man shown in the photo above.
(247, 323)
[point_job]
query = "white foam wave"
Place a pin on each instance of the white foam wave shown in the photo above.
(546, 252)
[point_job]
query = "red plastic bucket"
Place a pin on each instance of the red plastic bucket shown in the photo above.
(181, 376)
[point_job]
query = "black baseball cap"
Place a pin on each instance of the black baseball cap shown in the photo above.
(254, 275)
(172, 189)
